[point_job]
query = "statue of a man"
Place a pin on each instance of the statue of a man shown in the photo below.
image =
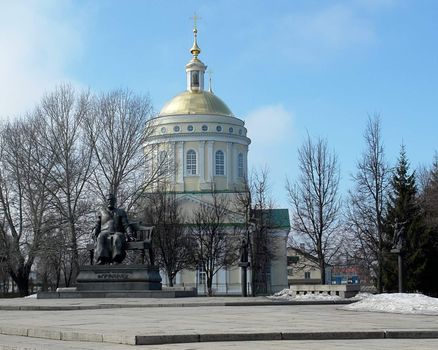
(111, 232)
(244, 251)
(399, 235)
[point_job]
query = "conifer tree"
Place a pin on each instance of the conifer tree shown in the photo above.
(403, 207)
(429, 203)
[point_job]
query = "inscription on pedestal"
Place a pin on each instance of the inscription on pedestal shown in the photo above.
(118, 278)
(113, 275)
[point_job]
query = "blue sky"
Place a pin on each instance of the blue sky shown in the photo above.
(287, 68)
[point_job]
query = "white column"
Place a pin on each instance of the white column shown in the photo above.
(175, 162)
(234, 164)
(180, 160)
(210, 161)
(229, 164)
(245, 162)
(188, 79)
(201, 161)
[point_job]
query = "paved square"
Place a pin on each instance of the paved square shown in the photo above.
(200, 321)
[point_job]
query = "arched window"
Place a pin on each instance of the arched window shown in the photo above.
(220, 163)
(191, 162)
(240, 165)
(195, 78)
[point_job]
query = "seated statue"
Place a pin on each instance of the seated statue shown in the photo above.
(111, 232)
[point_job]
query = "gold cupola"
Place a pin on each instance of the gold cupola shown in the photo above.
(195, 100)
(195, 69)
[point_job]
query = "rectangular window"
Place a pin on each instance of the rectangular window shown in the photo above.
(307, 275)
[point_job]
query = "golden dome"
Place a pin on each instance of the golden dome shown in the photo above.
(195, 102)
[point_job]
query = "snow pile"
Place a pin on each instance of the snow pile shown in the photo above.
(361, 296)
(32, 296)
(401, 303)
(283, 294)
(287, 294)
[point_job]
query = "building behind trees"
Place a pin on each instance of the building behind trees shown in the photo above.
(205, 148)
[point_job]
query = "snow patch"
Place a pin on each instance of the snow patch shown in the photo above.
(287, 294)
(32, 296)
(400, 303)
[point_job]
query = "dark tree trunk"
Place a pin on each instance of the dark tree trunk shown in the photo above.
(322, 271)
(75, 253)
(209, 286)
(21, 279)
(170, 278)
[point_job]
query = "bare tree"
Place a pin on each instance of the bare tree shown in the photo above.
(216, 245)
(255, 204)
(24, 199)
(117, 130)
(315, 200)
(365, 212)
(50, 266)
(4, 276)
(63, 113)
(173, 246)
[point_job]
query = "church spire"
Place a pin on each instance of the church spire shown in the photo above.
(210, 88)
(195, 69)
(195, 50)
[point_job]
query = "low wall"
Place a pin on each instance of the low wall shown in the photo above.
(342, 290)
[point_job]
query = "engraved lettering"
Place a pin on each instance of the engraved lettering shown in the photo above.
(113, 275)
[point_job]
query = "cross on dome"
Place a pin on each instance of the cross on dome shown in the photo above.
(195, 50)
(195, 19)
(210, 73)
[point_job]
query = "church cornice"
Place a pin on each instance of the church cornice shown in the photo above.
(201, 118)
(243, 140)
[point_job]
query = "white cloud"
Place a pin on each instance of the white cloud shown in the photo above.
(38, 41)
(269, 125)
(271, 129)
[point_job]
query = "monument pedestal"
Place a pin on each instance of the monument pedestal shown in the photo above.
(118, 278)
(118, 281)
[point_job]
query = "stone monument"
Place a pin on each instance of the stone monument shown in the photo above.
(114, 235)
(244, 264)
(398, 247)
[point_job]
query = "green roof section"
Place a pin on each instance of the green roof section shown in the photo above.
(280, 218)
(275, 218)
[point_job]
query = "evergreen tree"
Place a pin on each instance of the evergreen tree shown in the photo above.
(403, 208)
(429, 204)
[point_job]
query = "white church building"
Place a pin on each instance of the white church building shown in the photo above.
(209, 148)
